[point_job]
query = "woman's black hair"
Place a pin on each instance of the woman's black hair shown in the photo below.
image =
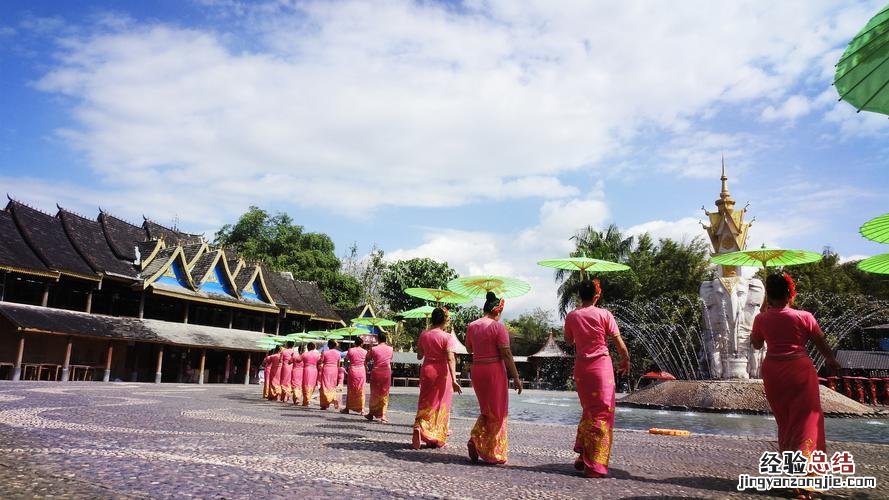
(310, 346)
(382, 338)
(299, 349)
(289, 344)
(438, 316)
(331, 344)
(491, 301)
(586, 290)
(777, 287)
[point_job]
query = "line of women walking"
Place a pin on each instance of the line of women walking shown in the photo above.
(293, 375)
(488, 341)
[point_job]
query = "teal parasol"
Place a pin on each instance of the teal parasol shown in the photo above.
(373, 321)
(418, 312)
(479, 286)
(862, 75)
(350, 331)
(583, 264)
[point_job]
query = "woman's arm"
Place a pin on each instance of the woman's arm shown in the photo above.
(506, 354)
(419, 352)
(825, 351)
(452, 368)
(624, 367)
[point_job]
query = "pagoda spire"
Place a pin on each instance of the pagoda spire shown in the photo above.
(727, 229)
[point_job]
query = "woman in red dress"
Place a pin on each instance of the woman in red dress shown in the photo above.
(357, 358)
(588, 327)
(330, 369)
(380, 378)
(488, 342)
(788, 375)
(438, 381)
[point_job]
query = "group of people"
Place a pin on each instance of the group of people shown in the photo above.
(588, 327)
(291, 375)
(789, 377)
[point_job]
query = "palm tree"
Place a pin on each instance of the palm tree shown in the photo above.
(606, 245)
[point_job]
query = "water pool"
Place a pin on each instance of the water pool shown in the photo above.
(556, 407)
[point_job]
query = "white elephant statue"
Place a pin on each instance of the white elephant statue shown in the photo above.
(730, 304)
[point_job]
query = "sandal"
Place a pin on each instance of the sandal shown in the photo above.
(473, 452)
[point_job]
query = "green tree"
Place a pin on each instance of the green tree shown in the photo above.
(412, 273)
(668, 267)
(369, 271)
(285, 246)
(530, 330)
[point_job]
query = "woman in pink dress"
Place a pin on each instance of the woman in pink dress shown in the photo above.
(357, 358)
(266, 374)
(380, 378)
(488, 342)
(330, 365)
(296, 376)
(588, 327)
(286, 372)
(275, 375)
(788, 375)
(438, 381)
(310, 358)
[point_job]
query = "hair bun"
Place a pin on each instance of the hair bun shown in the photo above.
(490, 296)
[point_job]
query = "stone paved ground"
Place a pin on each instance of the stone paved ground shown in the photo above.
(143, 440)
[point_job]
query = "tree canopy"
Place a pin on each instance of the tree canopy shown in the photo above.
(413, 273)
(284, 246)
(656, 269)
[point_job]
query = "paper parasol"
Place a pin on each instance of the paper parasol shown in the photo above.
(862, 75)
(878, 264)
(876, 229)
(349, 331)
(418, 312)
(766, 257)
(437, 295)
(586, 264)
(373, 321)
(479, 286)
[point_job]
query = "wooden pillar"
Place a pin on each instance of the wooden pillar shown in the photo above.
(3, 287)
(45, 300)
(107, 376)
(278, 325)
(203, 362)
(160, 364)
(185, 316)
(142, 305)
(231, 318)
(89, 302)
(66, 364)
(17, 369)
(247, 370)
(263, 323)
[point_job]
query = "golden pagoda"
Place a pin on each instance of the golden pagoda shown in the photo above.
(727, 229)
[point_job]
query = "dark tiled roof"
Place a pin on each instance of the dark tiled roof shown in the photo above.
(349, 314)
(203, 265)
(170, 236)
(311, 294)
(63, 322)
(864, 360)
(46, 236)
(146, 249)
(88, 239)
(155, 265)
(14, 251)
(122, 236)
(285, 292)
(243, 278)
(191, 251)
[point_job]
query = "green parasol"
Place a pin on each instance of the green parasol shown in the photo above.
(373, 322)
(766, 257)
(350, 331)
(479, 286)
(335, 336)
(878, 264)
(862, 76)
(418, 312)
(584, 264)
(437, 295)
(876, 229)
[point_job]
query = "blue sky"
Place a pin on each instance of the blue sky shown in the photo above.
(481, 133)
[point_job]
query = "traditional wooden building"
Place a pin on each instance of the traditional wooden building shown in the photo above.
(104, 299)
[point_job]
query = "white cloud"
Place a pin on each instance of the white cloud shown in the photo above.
(852, 258)
(794, 107)
(684, 229)
(319, 104)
